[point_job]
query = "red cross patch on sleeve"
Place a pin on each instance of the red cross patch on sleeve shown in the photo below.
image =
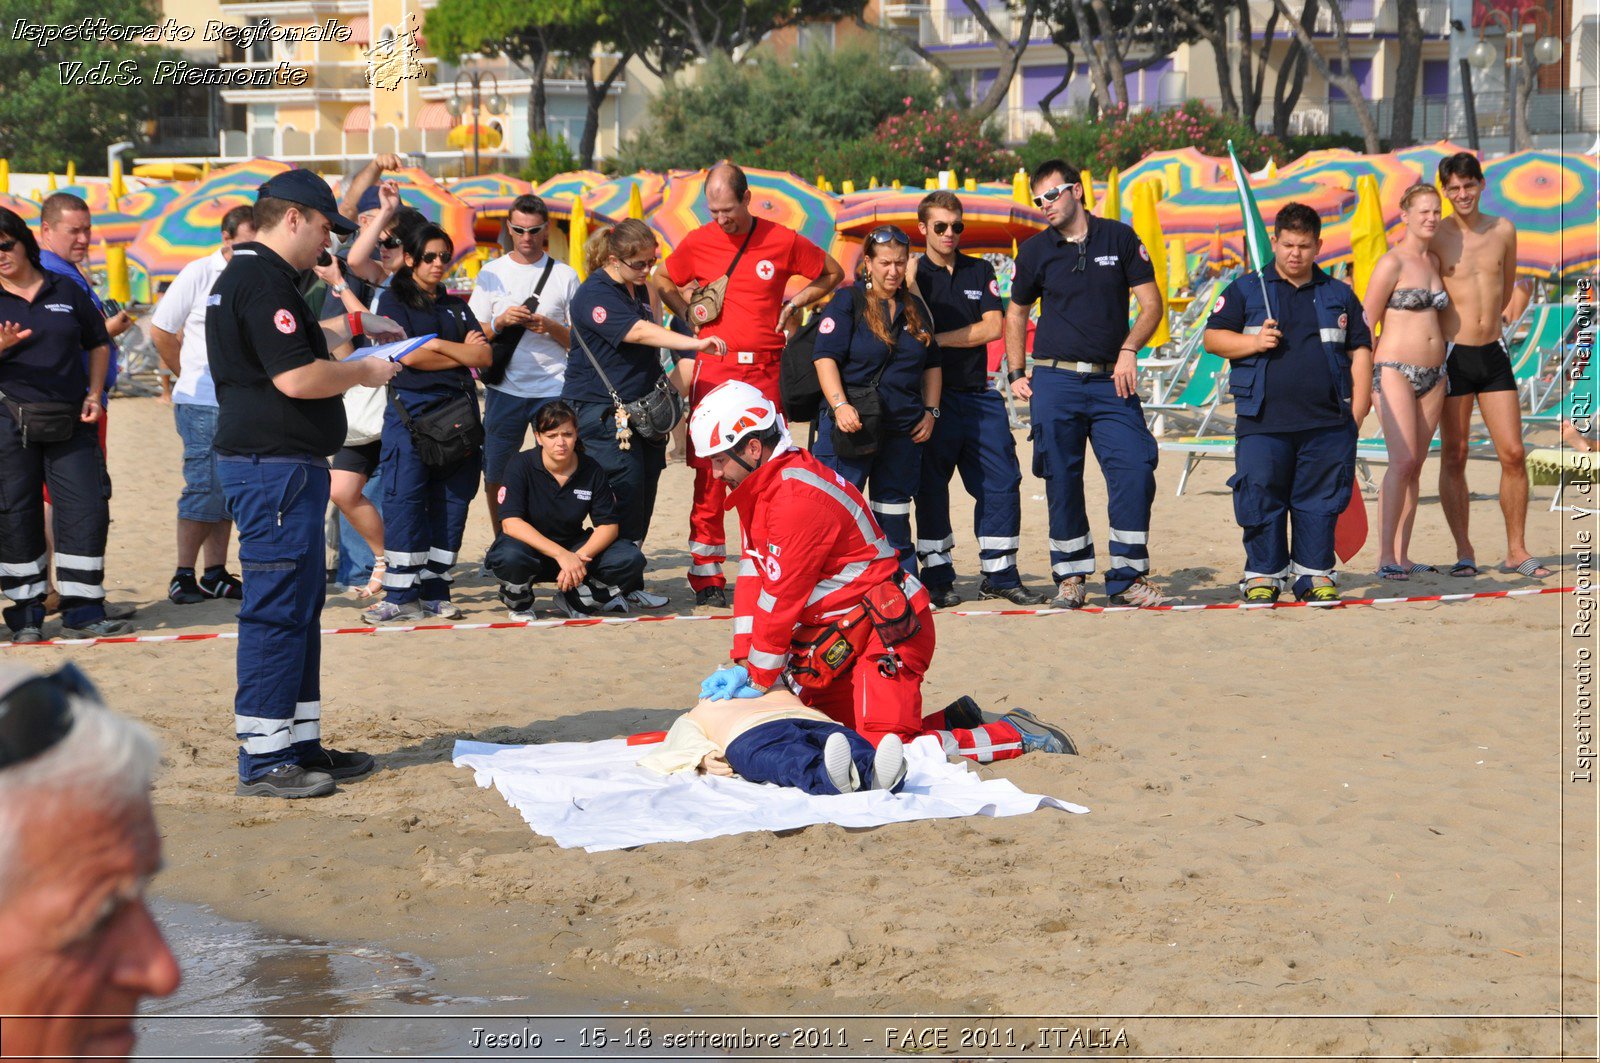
(284, 322)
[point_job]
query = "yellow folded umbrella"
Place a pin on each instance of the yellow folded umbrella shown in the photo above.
(1367, 237)
(577, 236)
(635, 202)
(1148, 226)
(1112, 208)
(1087, 180)
(1020, 191)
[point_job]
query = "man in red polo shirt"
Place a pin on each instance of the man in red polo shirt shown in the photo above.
(757, 257)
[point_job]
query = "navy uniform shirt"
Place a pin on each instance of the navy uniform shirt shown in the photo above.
(54, 263)
(1084, 314)
(1300, 392)
(960, 296)
(257, 326)
(602, 312)
(558, 511)
(860, 355)
(450, 319)
(49, 365)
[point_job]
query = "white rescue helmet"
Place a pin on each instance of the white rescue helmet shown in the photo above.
(730, 413)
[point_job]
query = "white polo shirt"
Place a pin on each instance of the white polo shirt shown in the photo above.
(182, 312)
(539, 366)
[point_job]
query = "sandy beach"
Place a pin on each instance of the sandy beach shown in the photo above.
(1297, 812)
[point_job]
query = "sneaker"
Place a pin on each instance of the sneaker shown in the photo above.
(287, 780)
(445, 610)
(836, 761)
(1321, 592)
(1018, 595)
(889, 764)
(27, 636)
(385, 612)
(523, 614)
(121, 610)
(341, 764)
(945, 599)
(221, 584)
(617, 603)
(103, 628)
(1071, 593)
(185, 589)
(569, 605)
(1259, 591)
(716, 597)
(1038, 736)
(963, 713)
(1143, 594)
(643, 599)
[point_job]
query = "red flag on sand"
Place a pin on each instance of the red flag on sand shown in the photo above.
(1350, 534)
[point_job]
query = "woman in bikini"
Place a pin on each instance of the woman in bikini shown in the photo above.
(1404, 297)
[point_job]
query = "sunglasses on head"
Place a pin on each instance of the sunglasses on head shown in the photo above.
(644, 265)
(37, 713)
(888, 234)
(527, 230)
(957, 227)
(1050, 195)
(389, 243)
(430, 257)
(6, 246)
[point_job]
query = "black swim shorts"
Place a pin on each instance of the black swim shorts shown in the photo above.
(1472, 368)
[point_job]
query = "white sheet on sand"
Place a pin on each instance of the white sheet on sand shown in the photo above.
(593, 795)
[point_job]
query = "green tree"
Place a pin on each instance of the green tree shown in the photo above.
(495, 27)
(45, 118)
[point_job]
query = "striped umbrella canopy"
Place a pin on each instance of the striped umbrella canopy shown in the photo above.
(1393, 174)
(190, 228)
(993, 221)
(119, 223)
(243, 177)
(775, 195)
(572, 183)
(1315, 158)
(1552, 199)
(611, 197)
(489, 188)
(439, 205)
(1197, 214)
(1196, 167)
(1426, 157)
(27, 209)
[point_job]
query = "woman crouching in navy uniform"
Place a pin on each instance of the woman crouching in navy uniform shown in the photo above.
(878, 334)
(424, 507)
(46, 324)
(614, 321)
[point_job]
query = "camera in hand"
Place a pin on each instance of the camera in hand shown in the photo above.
(324, 259)
(110, 308)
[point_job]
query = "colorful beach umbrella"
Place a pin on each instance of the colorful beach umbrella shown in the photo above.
(1552, 199)
(567, 185)
(993, 221)
(26, 208)
(242, 177)
(1197, 213)
(489, 188)
(439, 205)
(612, 197)
(1426, 157)
(1392, 174)
(191, 228)
(1194, 167)
(775, 195)
(1153, 247)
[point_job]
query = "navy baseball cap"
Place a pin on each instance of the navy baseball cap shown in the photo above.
(369, 200)
(308, 190)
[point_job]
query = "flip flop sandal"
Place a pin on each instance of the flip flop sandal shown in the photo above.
(1393, 572)
(1530, 568)
(1419, 567)
(1465, 567)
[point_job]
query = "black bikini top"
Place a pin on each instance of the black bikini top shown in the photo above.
(1418, 299)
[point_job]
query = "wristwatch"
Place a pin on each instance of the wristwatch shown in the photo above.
(935, 411)
(339, 289)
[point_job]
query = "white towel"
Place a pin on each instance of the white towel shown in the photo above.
(593, 795)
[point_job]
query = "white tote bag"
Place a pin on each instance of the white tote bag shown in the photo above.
(363, 414)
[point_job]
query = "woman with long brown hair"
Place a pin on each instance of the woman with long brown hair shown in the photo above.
(881, 382)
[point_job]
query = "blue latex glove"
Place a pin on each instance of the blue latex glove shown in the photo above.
(725, 683)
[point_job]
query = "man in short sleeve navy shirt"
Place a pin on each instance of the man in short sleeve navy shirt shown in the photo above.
(279, 417)
(1301, 379)
(1082, 389)
(972, 431)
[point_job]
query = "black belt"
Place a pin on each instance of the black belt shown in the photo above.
(1075, 366)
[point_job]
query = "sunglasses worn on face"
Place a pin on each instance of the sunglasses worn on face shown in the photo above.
(527, 230)
(37, 713)
(888, 234)
(1050, 195)
(6, 246)
(957, 227)
(642, 266)
(430, 257)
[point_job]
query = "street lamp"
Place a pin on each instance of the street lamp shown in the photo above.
(496, 104)
(1545, 51)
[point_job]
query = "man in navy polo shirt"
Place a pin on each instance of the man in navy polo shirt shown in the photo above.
(971, 431)
(1301, 379)
(1083, 388)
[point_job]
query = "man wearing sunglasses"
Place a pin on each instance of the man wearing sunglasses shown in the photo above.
(1082, 388)
(527, 292)
(971, 430)
(78, 847)
(755, 258)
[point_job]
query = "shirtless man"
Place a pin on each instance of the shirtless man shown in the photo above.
(1478, 261)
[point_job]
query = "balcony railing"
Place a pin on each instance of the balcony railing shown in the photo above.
(1361, 19)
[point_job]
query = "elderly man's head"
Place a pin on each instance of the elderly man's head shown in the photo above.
(78, 845)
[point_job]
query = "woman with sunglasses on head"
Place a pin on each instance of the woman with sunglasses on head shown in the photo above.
(49, 436)
(615, 357)
(425, 506)
(881, 382)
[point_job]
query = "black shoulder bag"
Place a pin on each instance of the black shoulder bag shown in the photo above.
(653, 416)
(505, 341)
(446, 433)
(864, 442)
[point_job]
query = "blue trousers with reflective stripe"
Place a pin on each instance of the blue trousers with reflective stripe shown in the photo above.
(424, 517)
(894, 473)
(279, 506)
(972, 435)
(1069, 411)
(1298, 478)
(789, 753)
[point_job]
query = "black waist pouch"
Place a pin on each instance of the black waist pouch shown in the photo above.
(44, 422)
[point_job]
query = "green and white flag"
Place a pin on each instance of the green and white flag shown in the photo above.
(1256, 241)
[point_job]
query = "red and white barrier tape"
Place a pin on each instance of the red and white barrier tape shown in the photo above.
(597, 621)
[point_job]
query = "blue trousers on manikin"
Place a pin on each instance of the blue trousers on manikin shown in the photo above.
(972, 435)
(424, 516)
(789, 753)
(1069, 411)
(279, 507)
(893, 474)
(1292, 479)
